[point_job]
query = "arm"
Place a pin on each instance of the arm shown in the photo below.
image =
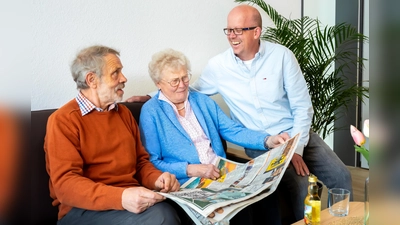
(301, 107)
(299, 100)
(138, 98)
(205, 83)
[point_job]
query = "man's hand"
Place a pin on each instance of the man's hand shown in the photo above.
(299, 165)
(138, 98)
(203, 170)
(275, 140)
(138, 199)
(167, 182)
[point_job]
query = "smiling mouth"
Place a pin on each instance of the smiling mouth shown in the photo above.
(235, 42)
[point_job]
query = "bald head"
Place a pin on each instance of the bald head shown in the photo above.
(247, 14)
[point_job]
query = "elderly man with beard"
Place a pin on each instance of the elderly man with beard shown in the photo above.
(99, 171)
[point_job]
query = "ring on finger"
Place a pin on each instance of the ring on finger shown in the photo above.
(148, 204)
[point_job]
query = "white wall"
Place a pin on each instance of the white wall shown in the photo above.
(136, 28)
(325, 12)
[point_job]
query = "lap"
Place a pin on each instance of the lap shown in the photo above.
(164, 211)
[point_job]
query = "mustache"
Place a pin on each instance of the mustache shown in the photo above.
(121, 86)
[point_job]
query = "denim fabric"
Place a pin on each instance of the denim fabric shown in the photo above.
(322, 162)
(165, 215)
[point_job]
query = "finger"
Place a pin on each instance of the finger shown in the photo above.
(296, 167)
(215, 174)
(148, 195)
(176, 186)
(305, 169)
(216, 169)
(281, 140)
(285, 135)
(219, 210)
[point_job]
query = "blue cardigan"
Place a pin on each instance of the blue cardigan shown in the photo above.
(171, 148)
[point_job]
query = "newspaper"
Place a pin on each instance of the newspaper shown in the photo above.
(209, 201)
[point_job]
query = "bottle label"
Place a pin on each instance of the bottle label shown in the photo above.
(307, 214)
(312, 213)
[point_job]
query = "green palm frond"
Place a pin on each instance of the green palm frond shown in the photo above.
(317, 49)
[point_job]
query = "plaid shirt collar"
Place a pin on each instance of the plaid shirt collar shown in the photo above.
(86, 106)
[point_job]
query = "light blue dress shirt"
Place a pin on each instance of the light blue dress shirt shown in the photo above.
(271, 96)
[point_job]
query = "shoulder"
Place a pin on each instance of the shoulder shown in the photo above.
(270, 47)
(70, 109)
(222, 57)
(152, 103)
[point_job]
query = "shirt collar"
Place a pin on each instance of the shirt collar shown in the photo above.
(161, 96)
(86, 106)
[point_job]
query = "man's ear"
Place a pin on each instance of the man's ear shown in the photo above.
(257, 32)
(91, 80)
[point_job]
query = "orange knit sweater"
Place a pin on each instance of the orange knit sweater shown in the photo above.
(91, 159)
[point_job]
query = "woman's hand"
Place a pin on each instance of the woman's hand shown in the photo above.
(203, 170)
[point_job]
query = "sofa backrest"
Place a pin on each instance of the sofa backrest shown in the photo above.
(42, 211)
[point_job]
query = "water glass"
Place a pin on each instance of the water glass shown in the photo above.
(338, 201)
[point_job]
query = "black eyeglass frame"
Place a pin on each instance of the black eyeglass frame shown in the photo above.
(189, 75)
(237, 31)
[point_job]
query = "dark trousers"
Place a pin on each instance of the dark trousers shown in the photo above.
(160, 213)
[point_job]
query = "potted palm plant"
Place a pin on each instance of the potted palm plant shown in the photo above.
(317, 49)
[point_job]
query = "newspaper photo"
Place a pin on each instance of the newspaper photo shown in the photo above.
(209, 201)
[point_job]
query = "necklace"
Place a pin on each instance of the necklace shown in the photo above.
(181, 108)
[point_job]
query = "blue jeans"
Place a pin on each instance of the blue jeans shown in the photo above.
(164, 211)
(322, 162)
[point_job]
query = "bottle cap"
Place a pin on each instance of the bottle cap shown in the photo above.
(312, 178)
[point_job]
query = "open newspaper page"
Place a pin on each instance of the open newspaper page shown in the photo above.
(240, 184)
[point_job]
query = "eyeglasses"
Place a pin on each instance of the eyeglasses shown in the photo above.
(175, 82)
(237, 31)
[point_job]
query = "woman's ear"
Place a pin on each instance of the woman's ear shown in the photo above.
(158, 86)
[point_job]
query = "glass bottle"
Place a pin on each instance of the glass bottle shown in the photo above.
(312, 203)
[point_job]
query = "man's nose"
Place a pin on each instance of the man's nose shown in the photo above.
(123, 78)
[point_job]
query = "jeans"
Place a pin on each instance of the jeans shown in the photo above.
(165, 214)
(322, 162)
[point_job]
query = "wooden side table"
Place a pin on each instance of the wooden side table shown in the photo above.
(356, 216)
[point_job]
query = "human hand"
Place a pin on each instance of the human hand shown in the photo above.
(138, 98)
(203, 170)
(218, 210)
(275, 140)
(138, 199)
(299, 165)
(167, 182)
